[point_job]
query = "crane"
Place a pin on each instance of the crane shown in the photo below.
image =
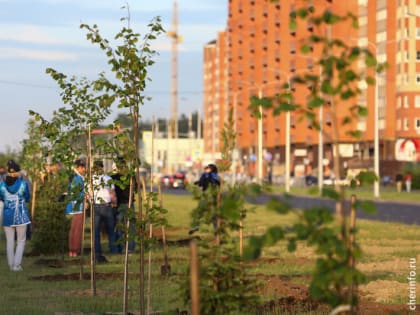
(176, 39)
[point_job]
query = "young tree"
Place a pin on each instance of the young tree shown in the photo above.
(68, 131)
(225, 287)
(129, 61)
(335, 88)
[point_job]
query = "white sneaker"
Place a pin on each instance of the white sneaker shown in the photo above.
(17, 268)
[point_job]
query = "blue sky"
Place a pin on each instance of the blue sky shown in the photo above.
(37, 34)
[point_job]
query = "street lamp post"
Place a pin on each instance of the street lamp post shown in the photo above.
(376, 137)
(375, 126)
(260, 139)
(260, 129)
(287, 142)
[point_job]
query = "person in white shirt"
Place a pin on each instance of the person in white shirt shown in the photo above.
(103, 197)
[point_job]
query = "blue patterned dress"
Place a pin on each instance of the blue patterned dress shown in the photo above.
(76, 194)
(15, 197)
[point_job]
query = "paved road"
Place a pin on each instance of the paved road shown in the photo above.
(387, 211)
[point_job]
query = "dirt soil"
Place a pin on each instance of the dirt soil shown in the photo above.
(293, 297)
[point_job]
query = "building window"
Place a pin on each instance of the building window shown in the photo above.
(293, 47)
(417, 78)
(417, 123)
(406, 101)
(417, 101)
(406, 124)
(418, 55)
(418, 32)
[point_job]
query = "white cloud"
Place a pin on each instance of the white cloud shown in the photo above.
(28, 34)
(151, 6)
(7, 53)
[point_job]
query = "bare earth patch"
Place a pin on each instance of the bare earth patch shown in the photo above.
(383, 291)
(287, 296)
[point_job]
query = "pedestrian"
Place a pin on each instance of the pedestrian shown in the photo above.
(103, 198)
(407, 180)
(209, 182)
(75, 207)
(399, 181)
(123, 203)
(210, 177)
(14, 192)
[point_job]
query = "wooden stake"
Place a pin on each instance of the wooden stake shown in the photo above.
(352, 239)
(92, 222)
(149, 272)
(127, 232)
(241, 237)
(165, 269)
(194, 279)
(33, 199)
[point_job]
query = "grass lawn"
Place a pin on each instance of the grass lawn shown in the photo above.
(387, 252)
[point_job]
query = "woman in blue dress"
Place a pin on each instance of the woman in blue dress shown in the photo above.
(14, 192)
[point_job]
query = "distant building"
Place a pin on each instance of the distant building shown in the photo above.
(258, 52)
(170, 155)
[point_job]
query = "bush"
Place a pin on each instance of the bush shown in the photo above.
(50, 225)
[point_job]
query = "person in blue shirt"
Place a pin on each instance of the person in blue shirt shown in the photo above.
(14, 192)
(75, 207)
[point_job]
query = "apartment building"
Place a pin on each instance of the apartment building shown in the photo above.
(258, 53)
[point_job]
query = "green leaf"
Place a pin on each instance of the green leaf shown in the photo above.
(302, 13)
(292, 25)
(370, 60)
(357, 134)
(367, 206)
(330, 193)
(370, 80)
(315, 102)
(366, 177)
(273, 235)
(362, 111)
(291, 245)
(354, 53)
(253, 249)
(306, 49)
(278, 206)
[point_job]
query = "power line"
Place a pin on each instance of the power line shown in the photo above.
(40, 86)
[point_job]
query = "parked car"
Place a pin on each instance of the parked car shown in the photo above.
(179, 180)
(166, 181)
(313, 180)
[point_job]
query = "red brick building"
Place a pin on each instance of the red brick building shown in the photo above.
(258, 53)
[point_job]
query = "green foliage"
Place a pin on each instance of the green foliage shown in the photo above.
(50, 225)
(34, 151)
(414, 170)
(225, 287)
(334, 86)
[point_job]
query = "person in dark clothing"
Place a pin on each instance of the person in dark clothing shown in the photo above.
(122, 206)
(209, 177)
